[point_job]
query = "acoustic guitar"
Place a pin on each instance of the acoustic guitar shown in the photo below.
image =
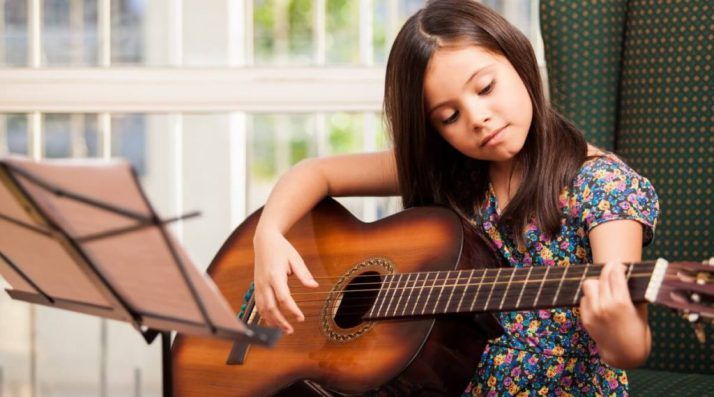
(404, 307)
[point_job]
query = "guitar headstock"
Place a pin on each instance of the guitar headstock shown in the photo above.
(688, 287)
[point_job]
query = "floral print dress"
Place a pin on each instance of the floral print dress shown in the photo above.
(548, 352)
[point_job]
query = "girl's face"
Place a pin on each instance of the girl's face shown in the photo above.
(477, 101)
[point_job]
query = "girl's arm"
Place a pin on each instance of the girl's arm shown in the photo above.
(298, 191)
(619, 327)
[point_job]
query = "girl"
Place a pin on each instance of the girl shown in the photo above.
(472, 131)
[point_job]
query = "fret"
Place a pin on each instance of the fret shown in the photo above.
(379, 294)
(401, 289)
(540, 289)
(580, 284)
(466, 288)
(560, 284)
(570, 284)
(454, 286)
(389, 297)
(638, 285)
(438, 299)
(388, 282)
(552, 284)
(478, 289)
(512, 294)
(508, 286)
(491, 288)
(630, 266)
(428, 296)
(420, 292)
(523, 287)
(408, 303)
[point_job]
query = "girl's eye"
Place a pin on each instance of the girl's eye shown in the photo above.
(451, 119)
(488, 88)
(455, 116)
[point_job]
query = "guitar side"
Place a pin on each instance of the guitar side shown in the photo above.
(435, 356)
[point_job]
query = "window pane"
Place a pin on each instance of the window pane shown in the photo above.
(69, 32)
(384, 140)
(345, 133)
(13, 134)
(149, 142)
(380, 31)
(342, 31)
(129, 140)
(13, 46)
(128, 18)
(382, 19)
(407, 8)
(517, 12)
(70, 135)
(276, 142)
(283, 31)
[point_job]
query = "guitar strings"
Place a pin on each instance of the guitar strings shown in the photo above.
(547, 300)
(496, 280)
(596, 266)
(530, 290)
(527, 294)
(478, 274)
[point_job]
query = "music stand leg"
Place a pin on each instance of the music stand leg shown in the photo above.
(166, 364)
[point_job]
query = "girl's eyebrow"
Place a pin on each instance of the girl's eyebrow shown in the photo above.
(467, 81)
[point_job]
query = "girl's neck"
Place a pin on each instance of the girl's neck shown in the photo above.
(505, 178)
(500, 172)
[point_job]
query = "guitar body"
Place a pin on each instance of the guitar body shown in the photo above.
(326, 355)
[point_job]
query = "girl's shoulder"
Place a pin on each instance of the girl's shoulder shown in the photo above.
(603, 166)
(605, 162)
(606, 188)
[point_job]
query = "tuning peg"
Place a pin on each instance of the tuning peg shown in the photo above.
(694, 320)
(699, 332)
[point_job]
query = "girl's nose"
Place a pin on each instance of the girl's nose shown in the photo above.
(479, 116)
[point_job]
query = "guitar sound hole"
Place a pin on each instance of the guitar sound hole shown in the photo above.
(357, 298)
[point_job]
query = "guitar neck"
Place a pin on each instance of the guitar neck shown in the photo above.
(494, 289)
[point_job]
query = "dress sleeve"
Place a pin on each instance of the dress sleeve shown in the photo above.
(610, 190)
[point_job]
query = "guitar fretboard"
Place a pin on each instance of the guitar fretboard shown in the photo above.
(493, 289)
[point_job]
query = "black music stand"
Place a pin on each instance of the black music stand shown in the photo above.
(81, 235)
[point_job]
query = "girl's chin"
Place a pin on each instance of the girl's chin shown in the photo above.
(498, 154)
(501, 156)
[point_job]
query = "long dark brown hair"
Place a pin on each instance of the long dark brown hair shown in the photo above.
(430, 170)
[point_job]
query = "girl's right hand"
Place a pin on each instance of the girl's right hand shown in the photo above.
(275, 260)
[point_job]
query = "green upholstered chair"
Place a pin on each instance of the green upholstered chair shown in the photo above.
(637, 77)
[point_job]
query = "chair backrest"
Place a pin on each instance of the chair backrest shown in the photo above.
(636, 76)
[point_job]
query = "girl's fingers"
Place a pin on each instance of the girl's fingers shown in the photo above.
(284, 298)
(605, 294)
(591, 294)
(618, 282)
(301, 272)
(268, 309)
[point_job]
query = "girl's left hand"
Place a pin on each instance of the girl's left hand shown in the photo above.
(618, 328)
